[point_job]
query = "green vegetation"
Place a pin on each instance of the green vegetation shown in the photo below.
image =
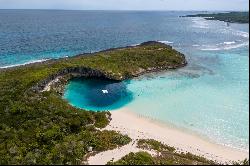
(232, 17)
(42, 128)
(244, 162)
(166, 156)
(144, 158)
(139, 158)
(150, 144)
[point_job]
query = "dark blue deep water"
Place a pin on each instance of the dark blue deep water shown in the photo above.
(98, 94)
(31, 35)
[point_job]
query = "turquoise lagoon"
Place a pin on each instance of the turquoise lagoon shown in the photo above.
(213, 103)
(210, 96)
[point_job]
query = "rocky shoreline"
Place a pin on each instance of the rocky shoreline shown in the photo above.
(68, 73)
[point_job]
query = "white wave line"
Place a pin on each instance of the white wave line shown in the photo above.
(22, 64)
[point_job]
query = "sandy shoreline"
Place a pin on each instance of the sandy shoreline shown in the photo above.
(137, 127)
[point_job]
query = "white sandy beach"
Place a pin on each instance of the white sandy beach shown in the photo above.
(137, 127)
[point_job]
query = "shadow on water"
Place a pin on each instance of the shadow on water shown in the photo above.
(97, 94)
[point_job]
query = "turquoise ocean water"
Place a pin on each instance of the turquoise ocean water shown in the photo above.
(210, 96)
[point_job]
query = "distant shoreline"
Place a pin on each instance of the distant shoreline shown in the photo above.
(229, 17)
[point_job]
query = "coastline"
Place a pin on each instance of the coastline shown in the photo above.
(24, 64)
(203, 90)
(127, 122)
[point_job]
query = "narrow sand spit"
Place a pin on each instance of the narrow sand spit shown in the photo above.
(136, 127)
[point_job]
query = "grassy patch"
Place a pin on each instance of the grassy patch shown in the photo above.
(140, 158)
(168, 156)
(150, 144)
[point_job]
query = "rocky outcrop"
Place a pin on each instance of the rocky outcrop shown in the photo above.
(60, 78)
(64, 75)
(68, 73)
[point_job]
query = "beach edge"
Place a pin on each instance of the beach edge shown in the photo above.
(136, 127)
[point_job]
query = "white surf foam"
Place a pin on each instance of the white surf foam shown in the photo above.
(196, 45)
(133, 45)
(29, 62)
(166, 42)
(242, 33)
(200, 23)
(228, 43)
(224, 46)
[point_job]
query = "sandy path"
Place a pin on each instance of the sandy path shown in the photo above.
(116, 154)
(103, 157)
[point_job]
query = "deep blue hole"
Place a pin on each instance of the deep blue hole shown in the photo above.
(97, 94)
